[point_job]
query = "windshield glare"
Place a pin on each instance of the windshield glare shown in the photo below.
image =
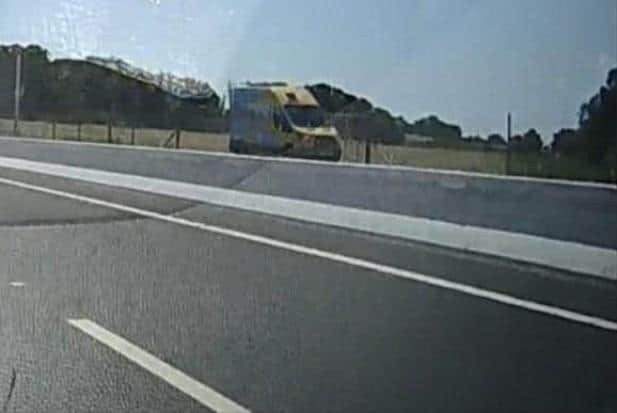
(306, 116)
(344, 206)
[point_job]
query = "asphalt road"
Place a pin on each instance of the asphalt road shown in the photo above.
(570, 213)
(272, 329)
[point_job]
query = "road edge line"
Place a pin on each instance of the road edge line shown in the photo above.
(564, 255)
(336, 257)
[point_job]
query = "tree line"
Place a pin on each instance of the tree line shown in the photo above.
(594, 140)
(66, 90)
(73, 91)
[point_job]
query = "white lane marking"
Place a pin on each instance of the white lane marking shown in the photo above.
(570, 256)
(17, 284)
(336, 257)
(186, 384)
(452, 172)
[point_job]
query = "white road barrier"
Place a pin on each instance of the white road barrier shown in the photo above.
(283, 159)
(564, 255)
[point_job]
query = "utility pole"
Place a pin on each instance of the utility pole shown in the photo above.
(508, 141)
(17, 92)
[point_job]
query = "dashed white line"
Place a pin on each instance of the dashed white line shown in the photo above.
(17, 284)
(336, 257)
(186, 384)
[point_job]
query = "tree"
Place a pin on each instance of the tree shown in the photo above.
(495, 139)
(566, 142)
(598, 121)
(358, 106)
(35, 81)
(356, 116)
(331, 99)
(436, 128)
(596, 137)
(516, 143)
(611, 78)
(532, 142)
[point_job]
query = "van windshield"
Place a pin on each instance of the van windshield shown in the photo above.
(305, 116)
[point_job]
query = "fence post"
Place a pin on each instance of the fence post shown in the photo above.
(109, 132)
(133, 135)
(53, 130)
(79, 131)
(177, 138)
(509, 137)
(367, 152)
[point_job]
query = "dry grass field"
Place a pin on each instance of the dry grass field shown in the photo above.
(98, 133)
(492, 162)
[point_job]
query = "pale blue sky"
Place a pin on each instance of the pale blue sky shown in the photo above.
(469, 62)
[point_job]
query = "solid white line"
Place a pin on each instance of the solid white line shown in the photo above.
(564, 255)
(198, 391)
(451, 172)
(332, 256)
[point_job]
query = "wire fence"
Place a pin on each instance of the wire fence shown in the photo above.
(114, 134)
(353, 150)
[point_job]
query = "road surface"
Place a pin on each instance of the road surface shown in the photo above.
(121, 300)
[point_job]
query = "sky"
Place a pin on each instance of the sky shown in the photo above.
(467, 61)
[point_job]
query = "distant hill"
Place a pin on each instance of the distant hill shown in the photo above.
(93, 91)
